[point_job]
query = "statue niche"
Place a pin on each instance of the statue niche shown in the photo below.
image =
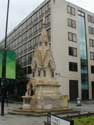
(30, 89)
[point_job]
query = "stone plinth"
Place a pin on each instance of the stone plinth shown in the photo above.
(47, 95)
(26, 102)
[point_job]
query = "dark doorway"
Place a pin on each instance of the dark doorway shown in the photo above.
(93, 90)
(85, 94)
(73, 89)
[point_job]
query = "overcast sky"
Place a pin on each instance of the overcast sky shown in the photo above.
(19, 9)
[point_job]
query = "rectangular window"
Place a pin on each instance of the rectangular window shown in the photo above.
(29, 69)
(73, 51)
(72, 37)
(71, 23)
(92, 69)
(90, 19)
(73, 66)
(91, 42)
(92, 55)
(91, 30)
(71, 10)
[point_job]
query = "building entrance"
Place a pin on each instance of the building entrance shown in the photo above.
(73, 89)
(93, 90)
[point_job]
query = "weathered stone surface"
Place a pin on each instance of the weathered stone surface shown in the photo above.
(47, 95)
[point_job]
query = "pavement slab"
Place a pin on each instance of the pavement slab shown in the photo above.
(8, 119)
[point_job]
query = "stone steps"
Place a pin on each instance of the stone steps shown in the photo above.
(40, 112)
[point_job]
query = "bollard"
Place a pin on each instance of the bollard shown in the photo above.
(78, 102)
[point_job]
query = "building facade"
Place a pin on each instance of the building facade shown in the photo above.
(71, 37)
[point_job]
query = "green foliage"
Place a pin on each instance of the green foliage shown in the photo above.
(21, 80)
(84, 121)
(16, 88)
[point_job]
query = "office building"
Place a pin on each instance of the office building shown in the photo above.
(71, 37)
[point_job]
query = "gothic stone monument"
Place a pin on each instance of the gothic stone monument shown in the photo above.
(46, 93)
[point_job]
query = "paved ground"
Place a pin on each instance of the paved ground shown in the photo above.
(29, 120)
(87, 106)
(18, 119)
(21, 120)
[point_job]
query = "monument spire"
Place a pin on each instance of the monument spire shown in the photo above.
(44, 34)
(44, 20)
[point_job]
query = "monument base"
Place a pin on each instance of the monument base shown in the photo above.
(26, 102)
(40, 112)
(47, 96)
(47, 102)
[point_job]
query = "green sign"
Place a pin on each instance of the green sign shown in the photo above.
(10, 65)
(1, 59)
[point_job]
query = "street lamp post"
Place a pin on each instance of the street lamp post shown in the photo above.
(3, 81)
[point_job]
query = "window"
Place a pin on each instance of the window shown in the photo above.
(33, 74)
(91, 42)
(71, 23)
(73, 66)
(40, 26)
(72, 37)
(73, 51)
(92, 55)
(48, 20)
(71, 10)
(25, 70)
(92, 69)
(90, 19)
(91, 30)
(29, 70)
(29, 58)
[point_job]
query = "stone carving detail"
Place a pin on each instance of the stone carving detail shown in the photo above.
(42, 58)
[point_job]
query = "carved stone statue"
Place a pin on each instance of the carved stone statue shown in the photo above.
(30, 90)
(46, 93)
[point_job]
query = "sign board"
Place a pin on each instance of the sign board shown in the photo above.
(10, 65)
(55, 120)
(1, 60)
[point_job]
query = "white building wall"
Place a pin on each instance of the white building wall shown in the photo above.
(59, 42)
(74, 75)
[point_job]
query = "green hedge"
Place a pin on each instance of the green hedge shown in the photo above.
(84, 121)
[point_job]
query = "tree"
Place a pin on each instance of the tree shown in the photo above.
(17, 88)
(21, 81)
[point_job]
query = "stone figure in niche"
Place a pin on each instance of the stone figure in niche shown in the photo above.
(30, 90)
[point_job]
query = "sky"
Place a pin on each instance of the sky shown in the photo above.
(19, 9)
